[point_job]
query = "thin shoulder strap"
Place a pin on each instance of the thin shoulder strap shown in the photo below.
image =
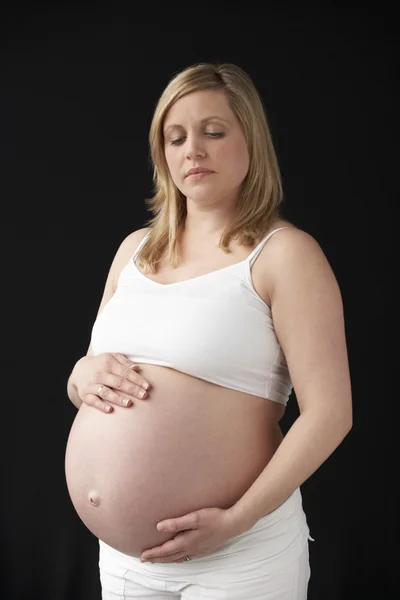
(252, 257)
(140, 245)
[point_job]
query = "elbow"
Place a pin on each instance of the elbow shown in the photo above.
(338, 423)
(344, 425)
(348, 419)
(349, 425)
(340, 430)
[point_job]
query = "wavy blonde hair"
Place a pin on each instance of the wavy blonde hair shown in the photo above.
(261, 190)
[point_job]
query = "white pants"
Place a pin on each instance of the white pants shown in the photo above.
(270, 561)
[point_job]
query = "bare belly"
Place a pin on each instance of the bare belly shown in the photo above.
(190, 445)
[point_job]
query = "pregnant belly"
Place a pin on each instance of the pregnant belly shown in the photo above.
(190, 445)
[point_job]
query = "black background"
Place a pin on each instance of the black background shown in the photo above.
(78, 87)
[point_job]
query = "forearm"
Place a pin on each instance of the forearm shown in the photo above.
(72, 390)
(307, 444)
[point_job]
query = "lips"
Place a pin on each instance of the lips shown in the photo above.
(196, 171)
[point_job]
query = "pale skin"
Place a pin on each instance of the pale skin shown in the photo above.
(298, 284)
(308, 317)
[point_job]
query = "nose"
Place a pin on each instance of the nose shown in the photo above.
(194, 147)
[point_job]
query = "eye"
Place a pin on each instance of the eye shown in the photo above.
(175, 142)
(215, 135)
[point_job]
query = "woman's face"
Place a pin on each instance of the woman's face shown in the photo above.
(201, 130)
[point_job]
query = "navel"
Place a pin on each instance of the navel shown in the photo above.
(94, 497)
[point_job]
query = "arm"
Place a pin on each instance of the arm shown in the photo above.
(308, 319)
(123, 254)
(72, 392)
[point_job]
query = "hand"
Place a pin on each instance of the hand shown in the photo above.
(115, 374)
(200, 533)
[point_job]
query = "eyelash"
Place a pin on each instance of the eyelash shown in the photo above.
(213, 135)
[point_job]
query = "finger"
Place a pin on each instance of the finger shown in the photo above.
(125, 362)
(190, 521)
(168, 559)
(95, 402)
(124, 385)
(123, 378)
(170, 548)
(106, 394)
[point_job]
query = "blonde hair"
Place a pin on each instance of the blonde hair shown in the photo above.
(261, 190)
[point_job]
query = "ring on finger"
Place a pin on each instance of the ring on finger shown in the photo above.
(99, 390)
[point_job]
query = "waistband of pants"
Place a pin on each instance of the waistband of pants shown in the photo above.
(277, 539)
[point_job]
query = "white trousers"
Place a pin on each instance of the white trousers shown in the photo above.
(270, 561)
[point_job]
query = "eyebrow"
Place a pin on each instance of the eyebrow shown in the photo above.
(202, 121)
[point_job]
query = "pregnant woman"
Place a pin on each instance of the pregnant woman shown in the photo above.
(222, 308)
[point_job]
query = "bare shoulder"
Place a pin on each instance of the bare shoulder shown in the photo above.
(132, 240)
(125, 251)
(295, 254)
(123, 254)
(308, 316)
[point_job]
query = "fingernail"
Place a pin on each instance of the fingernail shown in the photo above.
(145, 386)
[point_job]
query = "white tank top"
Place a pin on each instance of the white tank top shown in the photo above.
(214, 327)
